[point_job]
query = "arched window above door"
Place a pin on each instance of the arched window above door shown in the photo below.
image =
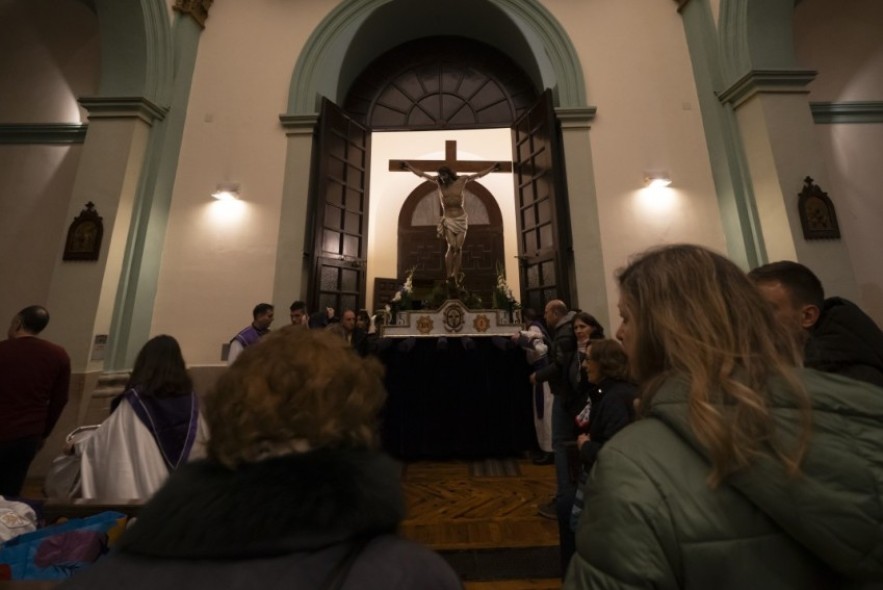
(440, 83)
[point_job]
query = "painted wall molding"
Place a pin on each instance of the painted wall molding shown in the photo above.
(43, 133)
(767, 81)
(123, 107)
(299, 124)
(847, 112)
(577, 117)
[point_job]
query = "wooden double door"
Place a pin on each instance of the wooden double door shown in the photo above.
(337, 240)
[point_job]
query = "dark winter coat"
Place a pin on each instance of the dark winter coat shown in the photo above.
(613, 408)
(560, 356)
(652, 521)
(280, 523)
(846, 341)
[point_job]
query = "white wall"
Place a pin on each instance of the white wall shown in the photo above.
(638, 74)
(218, 261)
(843, 41)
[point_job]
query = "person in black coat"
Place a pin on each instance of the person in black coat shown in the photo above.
(294, 493)
(836, 335)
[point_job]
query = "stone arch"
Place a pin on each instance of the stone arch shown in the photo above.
(136, 50)
(325, 62)
(756, 35)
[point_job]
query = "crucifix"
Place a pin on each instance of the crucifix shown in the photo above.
(453, 224)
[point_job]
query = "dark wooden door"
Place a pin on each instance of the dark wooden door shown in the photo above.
(340, 212)
(544, 244)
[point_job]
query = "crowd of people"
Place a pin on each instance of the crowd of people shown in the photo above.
(728, 437)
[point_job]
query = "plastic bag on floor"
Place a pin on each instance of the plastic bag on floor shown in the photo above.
(16, 518)
(57, 552)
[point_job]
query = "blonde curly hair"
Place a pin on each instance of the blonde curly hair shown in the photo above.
(296, 390)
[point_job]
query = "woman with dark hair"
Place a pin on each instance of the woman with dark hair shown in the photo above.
(295, 492)
(154, 427)
(745, 471)
(587, 330)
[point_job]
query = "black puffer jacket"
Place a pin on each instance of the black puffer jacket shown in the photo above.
(280, 523)
(847, 342)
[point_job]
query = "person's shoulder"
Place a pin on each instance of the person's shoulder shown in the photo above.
(417, 565)
(45, 347)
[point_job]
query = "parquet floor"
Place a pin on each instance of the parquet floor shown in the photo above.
(456, 512)
(448, 508)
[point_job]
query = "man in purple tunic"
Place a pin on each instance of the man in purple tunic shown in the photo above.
(262, 318)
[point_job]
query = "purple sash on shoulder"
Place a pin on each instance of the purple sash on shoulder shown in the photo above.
(172, 421)
(249, 336)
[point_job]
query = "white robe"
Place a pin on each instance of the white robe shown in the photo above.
(121, 460)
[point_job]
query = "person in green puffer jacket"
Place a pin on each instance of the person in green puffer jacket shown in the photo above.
(745, 470)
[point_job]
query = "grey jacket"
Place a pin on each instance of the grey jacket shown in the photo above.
(651, 521)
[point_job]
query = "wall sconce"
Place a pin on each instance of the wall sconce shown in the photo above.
(226, 191)
(657, 179)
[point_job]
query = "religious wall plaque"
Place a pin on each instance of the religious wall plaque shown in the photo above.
(817, 215)
(84, 235)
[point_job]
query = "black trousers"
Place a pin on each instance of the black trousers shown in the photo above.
(15, 458)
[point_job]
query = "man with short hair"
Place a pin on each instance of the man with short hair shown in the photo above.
(262, 317)
(346, 329)
(837, 336)
(299, 315)
(34, 381)
(559, 322)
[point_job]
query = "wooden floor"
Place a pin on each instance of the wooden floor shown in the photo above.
(448, 508)
(451, 508)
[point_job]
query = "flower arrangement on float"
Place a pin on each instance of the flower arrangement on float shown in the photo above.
(502, 295)
(403, 298)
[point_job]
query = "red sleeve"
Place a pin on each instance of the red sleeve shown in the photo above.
(59, 395)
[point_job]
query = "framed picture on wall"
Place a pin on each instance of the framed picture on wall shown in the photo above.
(817, 215)
(84, 235)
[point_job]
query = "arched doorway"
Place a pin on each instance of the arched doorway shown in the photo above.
(442, 83)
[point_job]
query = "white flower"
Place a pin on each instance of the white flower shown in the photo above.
(397, 297)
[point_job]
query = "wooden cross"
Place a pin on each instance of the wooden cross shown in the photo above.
(450, 161)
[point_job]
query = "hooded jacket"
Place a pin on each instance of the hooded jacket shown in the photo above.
(651, 520)
(846, 341)
(280, 523)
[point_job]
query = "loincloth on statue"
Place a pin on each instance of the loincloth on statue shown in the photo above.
(455, 225)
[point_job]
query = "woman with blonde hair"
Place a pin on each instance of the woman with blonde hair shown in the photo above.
(294, 493)
(745, 471)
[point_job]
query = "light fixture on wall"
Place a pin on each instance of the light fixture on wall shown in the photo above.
(226, 191)
(657, 179)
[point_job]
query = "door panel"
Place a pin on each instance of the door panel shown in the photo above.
(544, 245)
(340, 212)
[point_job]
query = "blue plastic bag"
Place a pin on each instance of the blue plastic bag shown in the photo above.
(58, 551)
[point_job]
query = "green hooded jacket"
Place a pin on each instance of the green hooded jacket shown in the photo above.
(651, 520)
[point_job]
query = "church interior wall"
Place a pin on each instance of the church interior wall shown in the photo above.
(843, 42)
(648, 120)
(219, 262)
(219, 258)
(56, 51)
